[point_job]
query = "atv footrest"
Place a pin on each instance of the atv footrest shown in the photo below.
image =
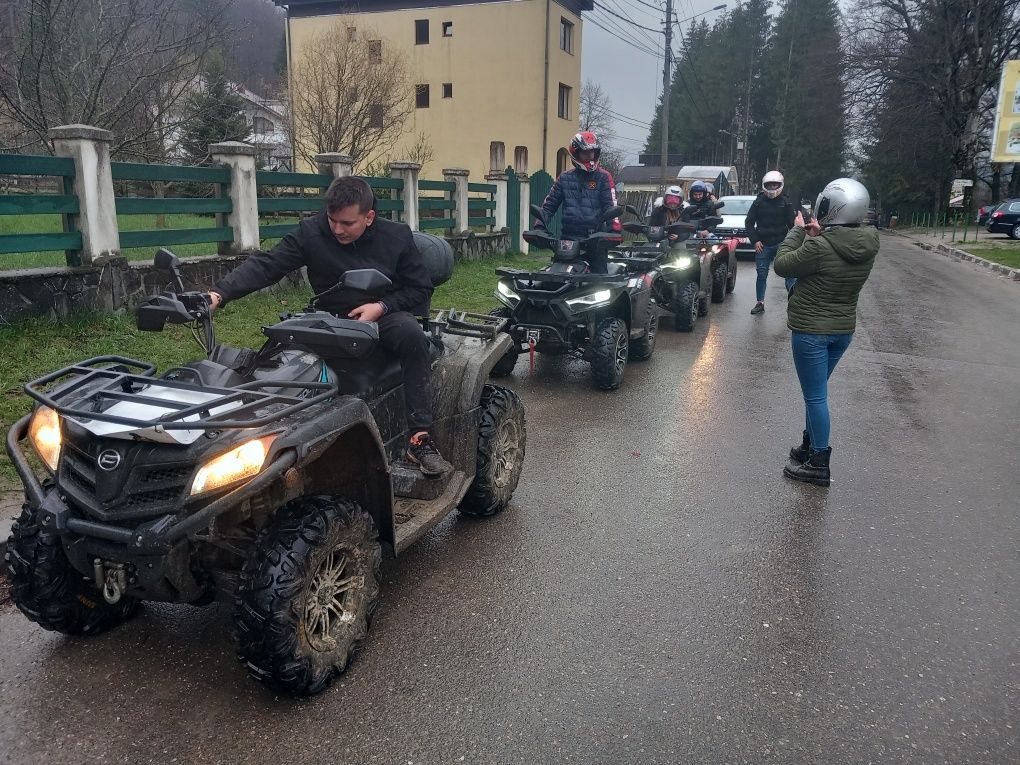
(413, 517)
(408, 481)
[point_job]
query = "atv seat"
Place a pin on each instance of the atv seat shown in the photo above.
(373, 375)
(614, 269)
(206, 373)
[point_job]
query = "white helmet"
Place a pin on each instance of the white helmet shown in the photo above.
(843, 202)
(772, 177)
(673, 197)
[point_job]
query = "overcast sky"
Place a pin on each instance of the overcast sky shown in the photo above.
(631, 76)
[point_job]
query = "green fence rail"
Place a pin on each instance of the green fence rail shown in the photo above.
(64, 204)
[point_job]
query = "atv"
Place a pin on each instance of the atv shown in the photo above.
(564, 308)
(689, 269)
(271, 479)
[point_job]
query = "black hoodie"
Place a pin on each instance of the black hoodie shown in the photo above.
(769, 219)
(385, 245)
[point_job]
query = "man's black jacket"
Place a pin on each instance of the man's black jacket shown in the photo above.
(769, 219)
(385, 245)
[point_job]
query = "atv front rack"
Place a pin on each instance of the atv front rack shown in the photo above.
(482, 325)
(84, 390)
(547, 276)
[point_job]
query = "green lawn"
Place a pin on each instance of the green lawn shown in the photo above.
(47, 224)
(32, 348)
(1008, 256)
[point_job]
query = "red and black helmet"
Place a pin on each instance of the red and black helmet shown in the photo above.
(585, 141)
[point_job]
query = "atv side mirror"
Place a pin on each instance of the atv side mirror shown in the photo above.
(633, 211)
(366, 280)
(166, 260)
(612, 212)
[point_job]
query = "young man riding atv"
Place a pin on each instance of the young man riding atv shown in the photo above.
(348, 235)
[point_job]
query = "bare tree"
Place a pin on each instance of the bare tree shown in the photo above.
(594, 109)
(123, 65)
(350, 93)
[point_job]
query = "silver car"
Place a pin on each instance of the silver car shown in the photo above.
(733, 214)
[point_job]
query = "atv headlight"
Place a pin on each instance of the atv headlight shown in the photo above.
(503, 291)
(684, 261)
(595, 298)
(44, 430)
(240, 462)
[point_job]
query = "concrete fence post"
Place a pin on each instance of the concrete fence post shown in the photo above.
(244, 220)
(525, 211)
(89, 148)
(336, 165)
(408, 173)
(459, 177)
(499, 180)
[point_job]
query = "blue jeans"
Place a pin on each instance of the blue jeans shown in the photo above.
(762, 262)
(815, 356)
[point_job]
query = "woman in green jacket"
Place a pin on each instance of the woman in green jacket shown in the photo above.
(831, 258)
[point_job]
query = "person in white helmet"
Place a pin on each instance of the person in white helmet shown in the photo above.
(770, 217)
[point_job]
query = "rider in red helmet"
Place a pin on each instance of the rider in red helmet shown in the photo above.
(585, 193)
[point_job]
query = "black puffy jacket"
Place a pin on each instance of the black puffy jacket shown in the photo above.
(585, 198)
(769, 219)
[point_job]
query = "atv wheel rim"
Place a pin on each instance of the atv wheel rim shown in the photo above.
(332, 599)
(508, 447)
(621, 354)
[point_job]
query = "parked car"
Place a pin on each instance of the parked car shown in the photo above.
(733, 214)
(871, 218)
(1005, 219)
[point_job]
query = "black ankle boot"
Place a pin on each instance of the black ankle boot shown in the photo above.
(815, 470)
(800, 454)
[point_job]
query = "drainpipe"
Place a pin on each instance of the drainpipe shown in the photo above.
(290, 106)
(545, 95)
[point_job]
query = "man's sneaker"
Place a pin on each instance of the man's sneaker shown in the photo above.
(422, 452)
(758, 308)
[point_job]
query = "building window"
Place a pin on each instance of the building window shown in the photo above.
(566, 36)
(375, 51)
(447, 90)
(561, 161)
(421, 32)
(375, 116)
(352, 32)
(447, 29)
(262, 125)
(421, 96)
(563, 104)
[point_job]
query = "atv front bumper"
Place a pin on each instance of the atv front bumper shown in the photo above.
(152, 537)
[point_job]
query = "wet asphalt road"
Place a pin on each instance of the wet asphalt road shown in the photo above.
(658, 592)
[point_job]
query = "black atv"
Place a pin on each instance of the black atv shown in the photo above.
(272, 479)
(687, 269)
(564, 308)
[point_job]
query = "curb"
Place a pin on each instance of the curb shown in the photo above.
(10, 506)
(957, 254)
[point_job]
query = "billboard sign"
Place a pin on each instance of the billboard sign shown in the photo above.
(1006, 135)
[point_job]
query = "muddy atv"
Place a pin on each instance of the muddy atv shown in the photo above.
(271, 479)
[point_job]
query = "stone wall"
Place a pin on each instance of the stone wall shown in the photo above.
(117, 285)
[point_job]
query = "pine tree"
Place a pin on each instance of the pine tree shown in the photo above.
(218, 117)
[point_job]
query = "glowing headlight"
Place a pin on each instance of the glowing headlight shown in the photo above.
(44, 430)
(602, 296)
(684, 261)
(503, 289)
(240, 462)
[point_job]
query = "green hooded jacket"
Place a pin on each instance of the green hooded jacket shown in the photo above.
(830, 268)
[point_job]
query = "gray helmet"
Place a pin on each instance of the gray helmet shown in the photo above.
(843, 202)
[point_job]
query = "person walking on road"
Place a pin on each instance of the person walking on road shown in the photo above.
(831, 258)
(771, 215)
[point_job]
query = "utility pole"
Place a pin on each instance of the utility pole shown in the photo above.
(667, 80)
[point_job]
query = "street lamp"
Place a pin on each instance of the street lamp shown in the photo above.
(667, 76)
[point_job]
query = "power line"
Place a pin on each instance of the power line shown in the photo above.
(616, 34)
(626, 34)
(624, 18)
(640, 123)
(644, 36)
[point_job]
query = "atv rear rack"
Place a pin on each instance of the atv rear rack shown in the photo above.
(481, 325)
(84, 389)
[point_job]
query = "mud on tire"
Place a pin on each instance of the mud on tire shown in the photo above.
(609, 354)
(500, 456)
(643, 348)
(48, 589)
(719, 277)
(685, 308)
(307, 593)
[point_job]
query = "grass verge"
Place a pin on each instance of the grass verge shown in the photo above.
(34, 347)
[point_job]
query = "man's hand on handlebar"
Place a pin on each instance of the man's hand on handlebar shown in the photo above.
(215, 300)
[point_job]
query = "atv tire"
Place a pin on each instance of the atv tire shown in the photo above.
(307, 592)
(609, 354)
(643, 348)
(508, 360)
(731, 280)
(500, 454)
(48, 589)
(719, 274)
(685, 308)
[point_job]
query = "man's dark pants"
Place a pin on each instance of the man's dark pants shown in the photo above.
(401, 334)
